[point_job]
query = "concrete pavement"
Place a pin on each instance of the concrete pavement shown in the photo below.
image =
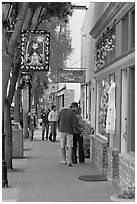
(38, 177)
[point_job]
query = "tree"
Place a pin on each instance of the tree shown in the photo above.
(60, 49)
(22, 16)
(7, 65)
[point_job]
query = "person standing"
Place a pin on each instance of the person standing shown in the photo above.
(30, 126)
(53, 118)
(77, 138)
(45, 122)
(67, 124)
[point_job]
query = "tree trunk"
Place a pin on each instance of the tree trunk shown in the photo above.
(25, 110)
(25, 125)
(6, 65)
(17, 105)
(8, 135)
(7, 61)
(7, 57)
(18, 27)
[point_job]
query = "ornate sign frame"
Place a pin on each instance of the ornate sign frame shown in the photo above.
(71, 76)
(35, 51)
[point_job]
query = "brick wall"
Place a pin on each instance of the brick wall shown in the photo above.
(126, 171)
(98, 153)
(118, 168)
(113, 166)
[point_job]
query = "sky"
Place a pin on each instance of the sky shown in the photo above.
(75, 25)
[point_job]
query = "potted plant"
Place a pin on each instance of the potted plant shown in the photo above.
(125, 196)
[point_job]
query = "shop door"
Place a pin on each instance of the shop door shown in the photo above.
(131, 110)
(124, 111)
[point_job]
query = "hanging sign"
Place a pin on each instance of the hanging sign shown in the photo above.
(71, 76)
(35, 51)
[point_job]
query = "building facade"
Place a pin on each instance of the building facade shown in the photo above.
(108, 96)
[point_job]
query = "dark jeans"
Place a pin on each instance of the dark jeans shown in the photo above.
(45, 126)
(53, 132)
(77, 140)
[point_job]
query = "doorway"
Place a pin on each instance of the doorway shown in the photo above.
(131, 110)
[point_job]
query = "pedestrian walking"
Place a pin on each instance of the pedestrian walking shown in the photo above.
(30, 126)
(53, 118)
(45, 122)
(77, 138)
(67, 124)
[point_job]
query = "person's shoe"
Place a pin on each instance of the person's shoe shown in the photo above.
(63, 162)
(69, 164)
(81, 161)
(74, 162)
(42, 138)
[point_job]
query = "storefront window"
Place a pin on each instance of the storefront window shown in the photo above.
(105, 47)
(83, 104)
(105, 86)
(90, 103)
(125, 33)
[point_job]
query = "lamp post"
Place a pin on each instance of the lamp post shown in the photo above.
(4, 165)
(6, 10)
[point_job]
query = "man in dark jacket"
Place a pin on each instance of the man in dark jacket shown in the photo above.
(67, 125)
(45, 122)
(77, 138)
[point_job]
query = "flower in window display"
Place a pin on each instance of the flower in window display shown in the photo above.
(103, 105)
(105, 44)
(88, 130)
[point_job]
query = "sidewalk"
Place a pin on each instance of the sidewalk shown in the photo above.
(39, 177)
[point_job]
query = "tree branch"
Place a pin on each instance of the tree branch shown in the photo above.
(18, 28)
(28, 19)
(13, 81)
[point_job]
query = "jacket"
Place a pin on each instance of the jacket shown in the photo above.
(44, 117)
(68, 121)
(53, 116)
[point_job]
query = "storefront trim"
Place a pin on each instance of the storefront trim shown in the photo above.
(61, 91)
(109, 14)
(126, 60)
(101, 136)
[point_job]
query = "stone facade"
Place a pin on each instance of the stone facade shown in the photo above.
(126, 171)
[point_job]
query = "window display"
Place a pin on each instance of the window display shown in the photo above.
(107, 112)
(111, 112)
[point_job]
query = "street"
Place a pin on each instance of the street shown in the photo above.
(38, 177)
